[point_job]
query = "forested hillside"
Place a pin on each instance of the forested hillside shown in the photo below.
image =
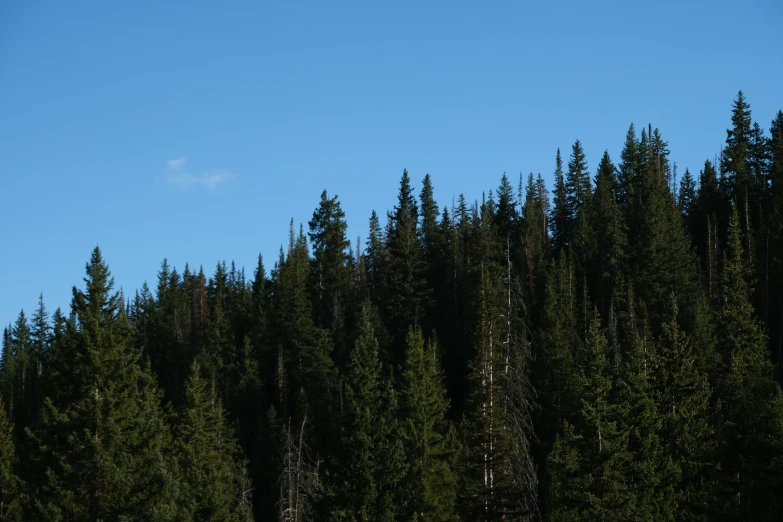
(607, 348)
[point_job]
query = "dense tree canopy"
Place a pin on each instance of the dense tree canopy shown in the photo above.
(611, 353)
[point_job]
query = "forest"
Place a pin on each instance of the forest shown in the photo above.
(609, 348)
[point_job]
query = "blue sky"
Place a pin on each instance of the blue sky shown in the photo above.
(196, 130)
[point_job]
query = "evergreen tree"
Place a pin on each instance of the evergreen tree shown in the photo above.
(535, 239)
(9, 483)
(661, 259)
(607, 271)
(374, 460)
(557, 342)
(433, 241)
(212, 477)
(499, 476)
(749, 415)
(686, 199)
(101, 450)
(559, 218)
(429, 438)
(577, 182)
(332, 273)
(406, 293)
(18, 369)
(682, 394)
(375, 256)
(736, 154)
(590, 460)
(652, 475)
(773, 263)
(628, 170)
(305, 369)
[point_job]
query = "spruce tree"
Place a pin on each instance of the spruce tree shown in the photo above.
(686, 198)
(499, 481)
(590, 460)
(682, 394)
(773, 264)
(406, 295)
(375, 255)
(607, 271)
(559, 219)
(100, 453)
(373, 460)
(332, 273)
(9, 483)
(577, 182)
(555, 377)
(749, 413)
(536, 241)
(628, 170)
(213, 486)
(429, 438)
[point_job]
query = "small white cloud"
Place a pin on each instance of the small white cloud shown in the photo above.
(209, 179)
(176, 164)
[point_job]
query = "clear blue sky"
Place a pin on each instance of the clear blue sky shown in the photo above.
(271, 102)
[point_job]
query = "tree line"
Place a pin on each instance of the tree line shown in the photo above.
(608, 352)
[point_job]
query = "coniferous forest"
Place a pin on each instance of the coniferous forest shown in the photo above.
(606, 348)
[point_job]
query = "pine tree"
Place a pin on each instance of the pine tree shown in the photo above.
(773, 264)
(749, 415)
(372, 452)
(577, 182)
(406, 296)
(304, 366)
(736, 154)
(661, 256)
(101, 450)
(652, 474)
(375, 255)
(536, 241)
(18, 370)
(9, 483)
(429, 438)
(607, 272)
(506, 214)
(686, 199)
(499, 476)
(434, 245)
(628, 170)
(212, 475)
(682, 394)
(559, 218)
(590, 460)
(556, 345)
(332, 273)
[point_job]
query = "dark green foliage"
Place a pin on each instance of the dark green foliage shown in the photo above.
(555, 377)
(535, 239)
(606, 355)
(429, 438)
(607, 272)
(101, 450)
(682, 394)
(332, 273)
(749, 412)
(373, 459)
(661, 259)
(406, 296)
(9, 483)
(213, 481)
(498, 476)
(590, 460)
(559, 218)
(686, 198)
